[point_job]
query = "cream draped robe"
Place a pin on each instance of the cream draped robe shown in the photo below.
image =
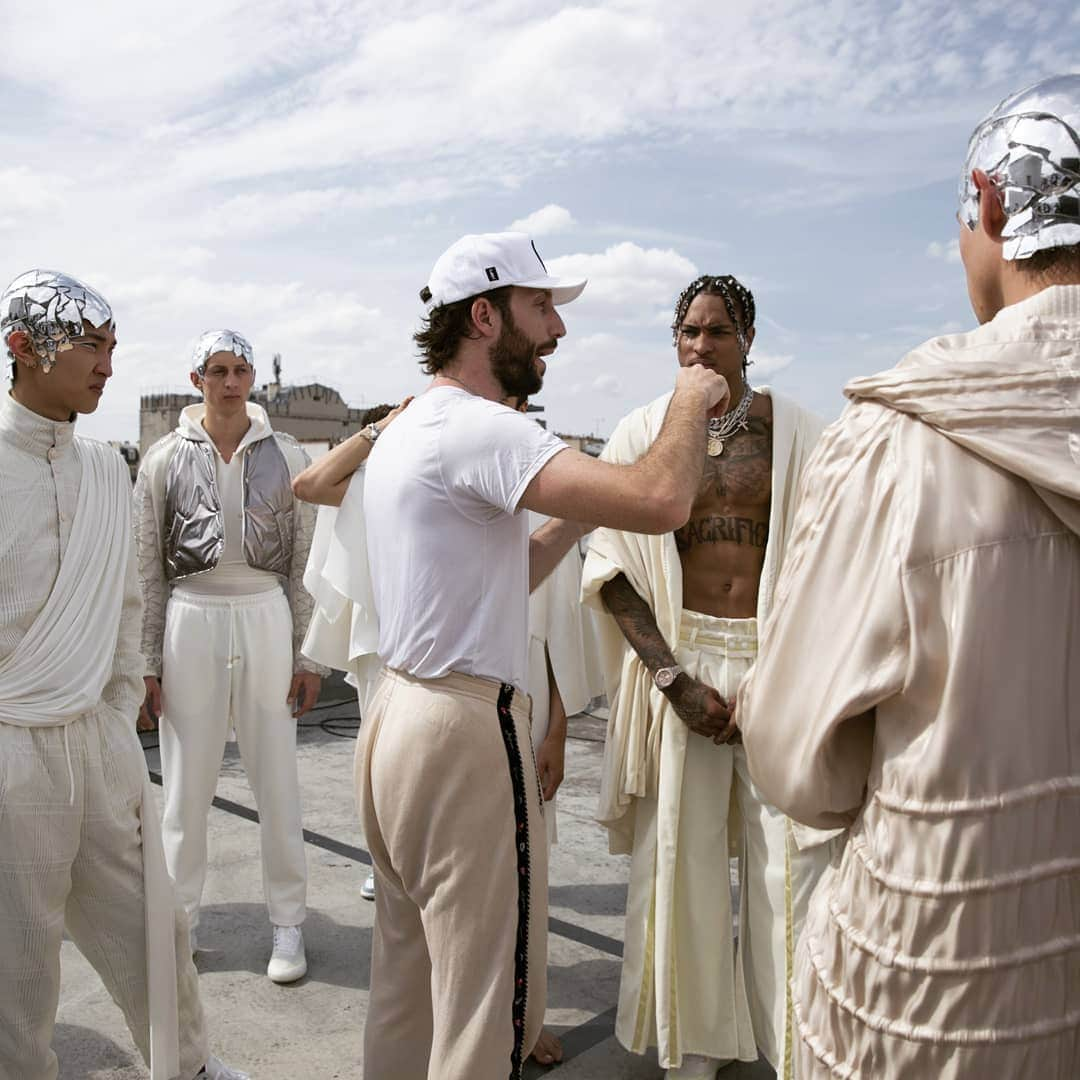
(557, 633)
(646, 741)
(58, 672)
(344, 629)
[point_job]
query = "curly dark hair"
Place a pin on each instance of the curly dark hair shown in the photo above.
(738, 300)
(375, 414)
(442, 330)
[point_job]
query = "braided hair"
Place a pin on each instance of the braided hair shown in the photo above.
(738, 300)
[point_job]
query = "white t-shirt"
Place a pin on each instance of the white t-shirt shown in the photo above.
(447, 549)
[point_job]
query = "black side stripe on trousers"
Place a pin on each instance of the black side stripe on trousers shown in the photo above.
(518, 780)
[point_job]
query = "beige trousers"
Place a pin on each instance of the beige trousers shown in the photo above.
(711, 1012)
(452, 812)
(71, 858)
(727, 1003)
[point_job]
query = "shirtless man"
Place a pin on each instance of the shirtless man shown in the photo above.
(683, 613)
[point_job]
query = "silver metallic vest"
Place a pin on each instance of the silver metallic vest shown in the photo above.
(195, 524)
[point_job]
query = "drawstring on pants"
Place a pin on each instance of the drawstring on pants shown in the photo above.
(71, 771)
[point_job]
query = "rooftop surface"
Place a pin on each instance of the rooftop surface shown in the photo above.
(312, 1029)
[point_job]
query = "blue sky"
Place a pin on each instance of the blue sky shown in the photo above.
(292, 170)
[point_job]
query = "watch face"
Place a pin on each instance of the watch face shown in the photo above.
(664, 678)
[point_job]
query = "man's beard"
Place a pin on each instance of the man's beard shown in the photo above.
(513, 361)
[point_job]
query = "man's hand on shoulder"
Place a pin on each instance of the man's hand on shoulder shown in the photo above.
(702, 709)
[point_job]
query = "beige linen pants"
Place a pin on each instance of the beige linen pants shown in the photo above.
(452, 811)
(71, 857)
(228, 662)
(728, 1003)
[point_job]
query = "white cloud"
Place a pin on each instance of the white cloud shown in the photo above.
(545, 221)
(293, 167)
(628, 278)
(607, 384)
(769, 363)
(31, 191)
(265, 212)
(949, 251)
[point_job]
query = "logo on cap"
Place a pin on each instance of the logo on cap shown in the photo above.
(492, 273)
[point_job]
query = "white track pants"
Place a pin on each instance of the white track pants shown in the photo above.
(228, 663)
(71, 858)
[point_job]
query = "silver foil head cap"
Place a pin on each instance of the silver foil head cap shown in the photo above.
(1029, 146)
(50, 307)
(215, 341)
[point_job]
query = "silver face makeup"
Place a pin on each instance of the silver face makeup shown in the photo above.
(50, 307)
(215, 341)
(1029, 146)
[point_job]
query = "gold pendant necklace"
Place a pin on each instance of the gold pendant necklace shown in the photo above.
(715, 446)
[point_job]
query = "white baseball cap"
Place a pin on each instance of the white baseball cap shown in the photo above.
(478, 263)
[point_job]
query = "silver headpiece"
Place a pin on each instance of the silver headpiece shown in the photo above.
(215, 341)
(1030, 149)
(49, 307)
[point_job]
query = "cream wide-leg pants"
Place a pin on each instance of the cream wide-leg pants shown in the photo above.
(452, 812)
(728, 1003)
(228, 663)
(71, 858)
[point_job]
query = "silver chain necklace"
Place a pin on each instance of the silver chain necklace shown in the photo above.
(723, 427)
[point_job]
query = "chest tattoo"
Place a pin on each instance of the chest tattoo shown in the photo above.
(717, 529)
(744, 472)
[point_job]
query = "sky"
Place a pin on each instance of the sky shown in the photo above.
(293, 169)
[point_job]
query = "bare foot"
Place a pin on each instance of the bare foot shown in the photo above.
(548, 1049)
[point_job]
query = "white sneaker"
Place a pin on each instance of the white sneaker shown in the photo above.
(288, 963)
(216, 1069)
(367, 890)
(695, 1067)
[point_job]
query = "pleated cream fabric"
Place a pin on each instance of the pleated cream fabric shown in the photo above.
(919, 681)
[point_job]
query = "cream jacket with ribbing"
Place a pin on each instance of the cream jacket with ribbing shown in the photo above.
(150, 530)
(919, 681)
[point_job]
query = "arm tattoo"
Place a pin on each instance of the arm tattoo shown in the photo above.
(694, 701)
(637, 623)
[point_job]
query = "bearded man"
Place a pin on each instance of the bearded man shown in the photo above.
(80, 842)
(449, 795)
(681, 613)
(919, 681)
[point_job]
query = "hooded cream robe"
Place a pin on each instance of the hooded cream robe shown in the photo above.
(919, 681)
(646, 740)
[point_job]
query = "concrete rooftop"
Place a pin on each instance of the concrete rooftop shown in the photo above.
(312, 1029)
